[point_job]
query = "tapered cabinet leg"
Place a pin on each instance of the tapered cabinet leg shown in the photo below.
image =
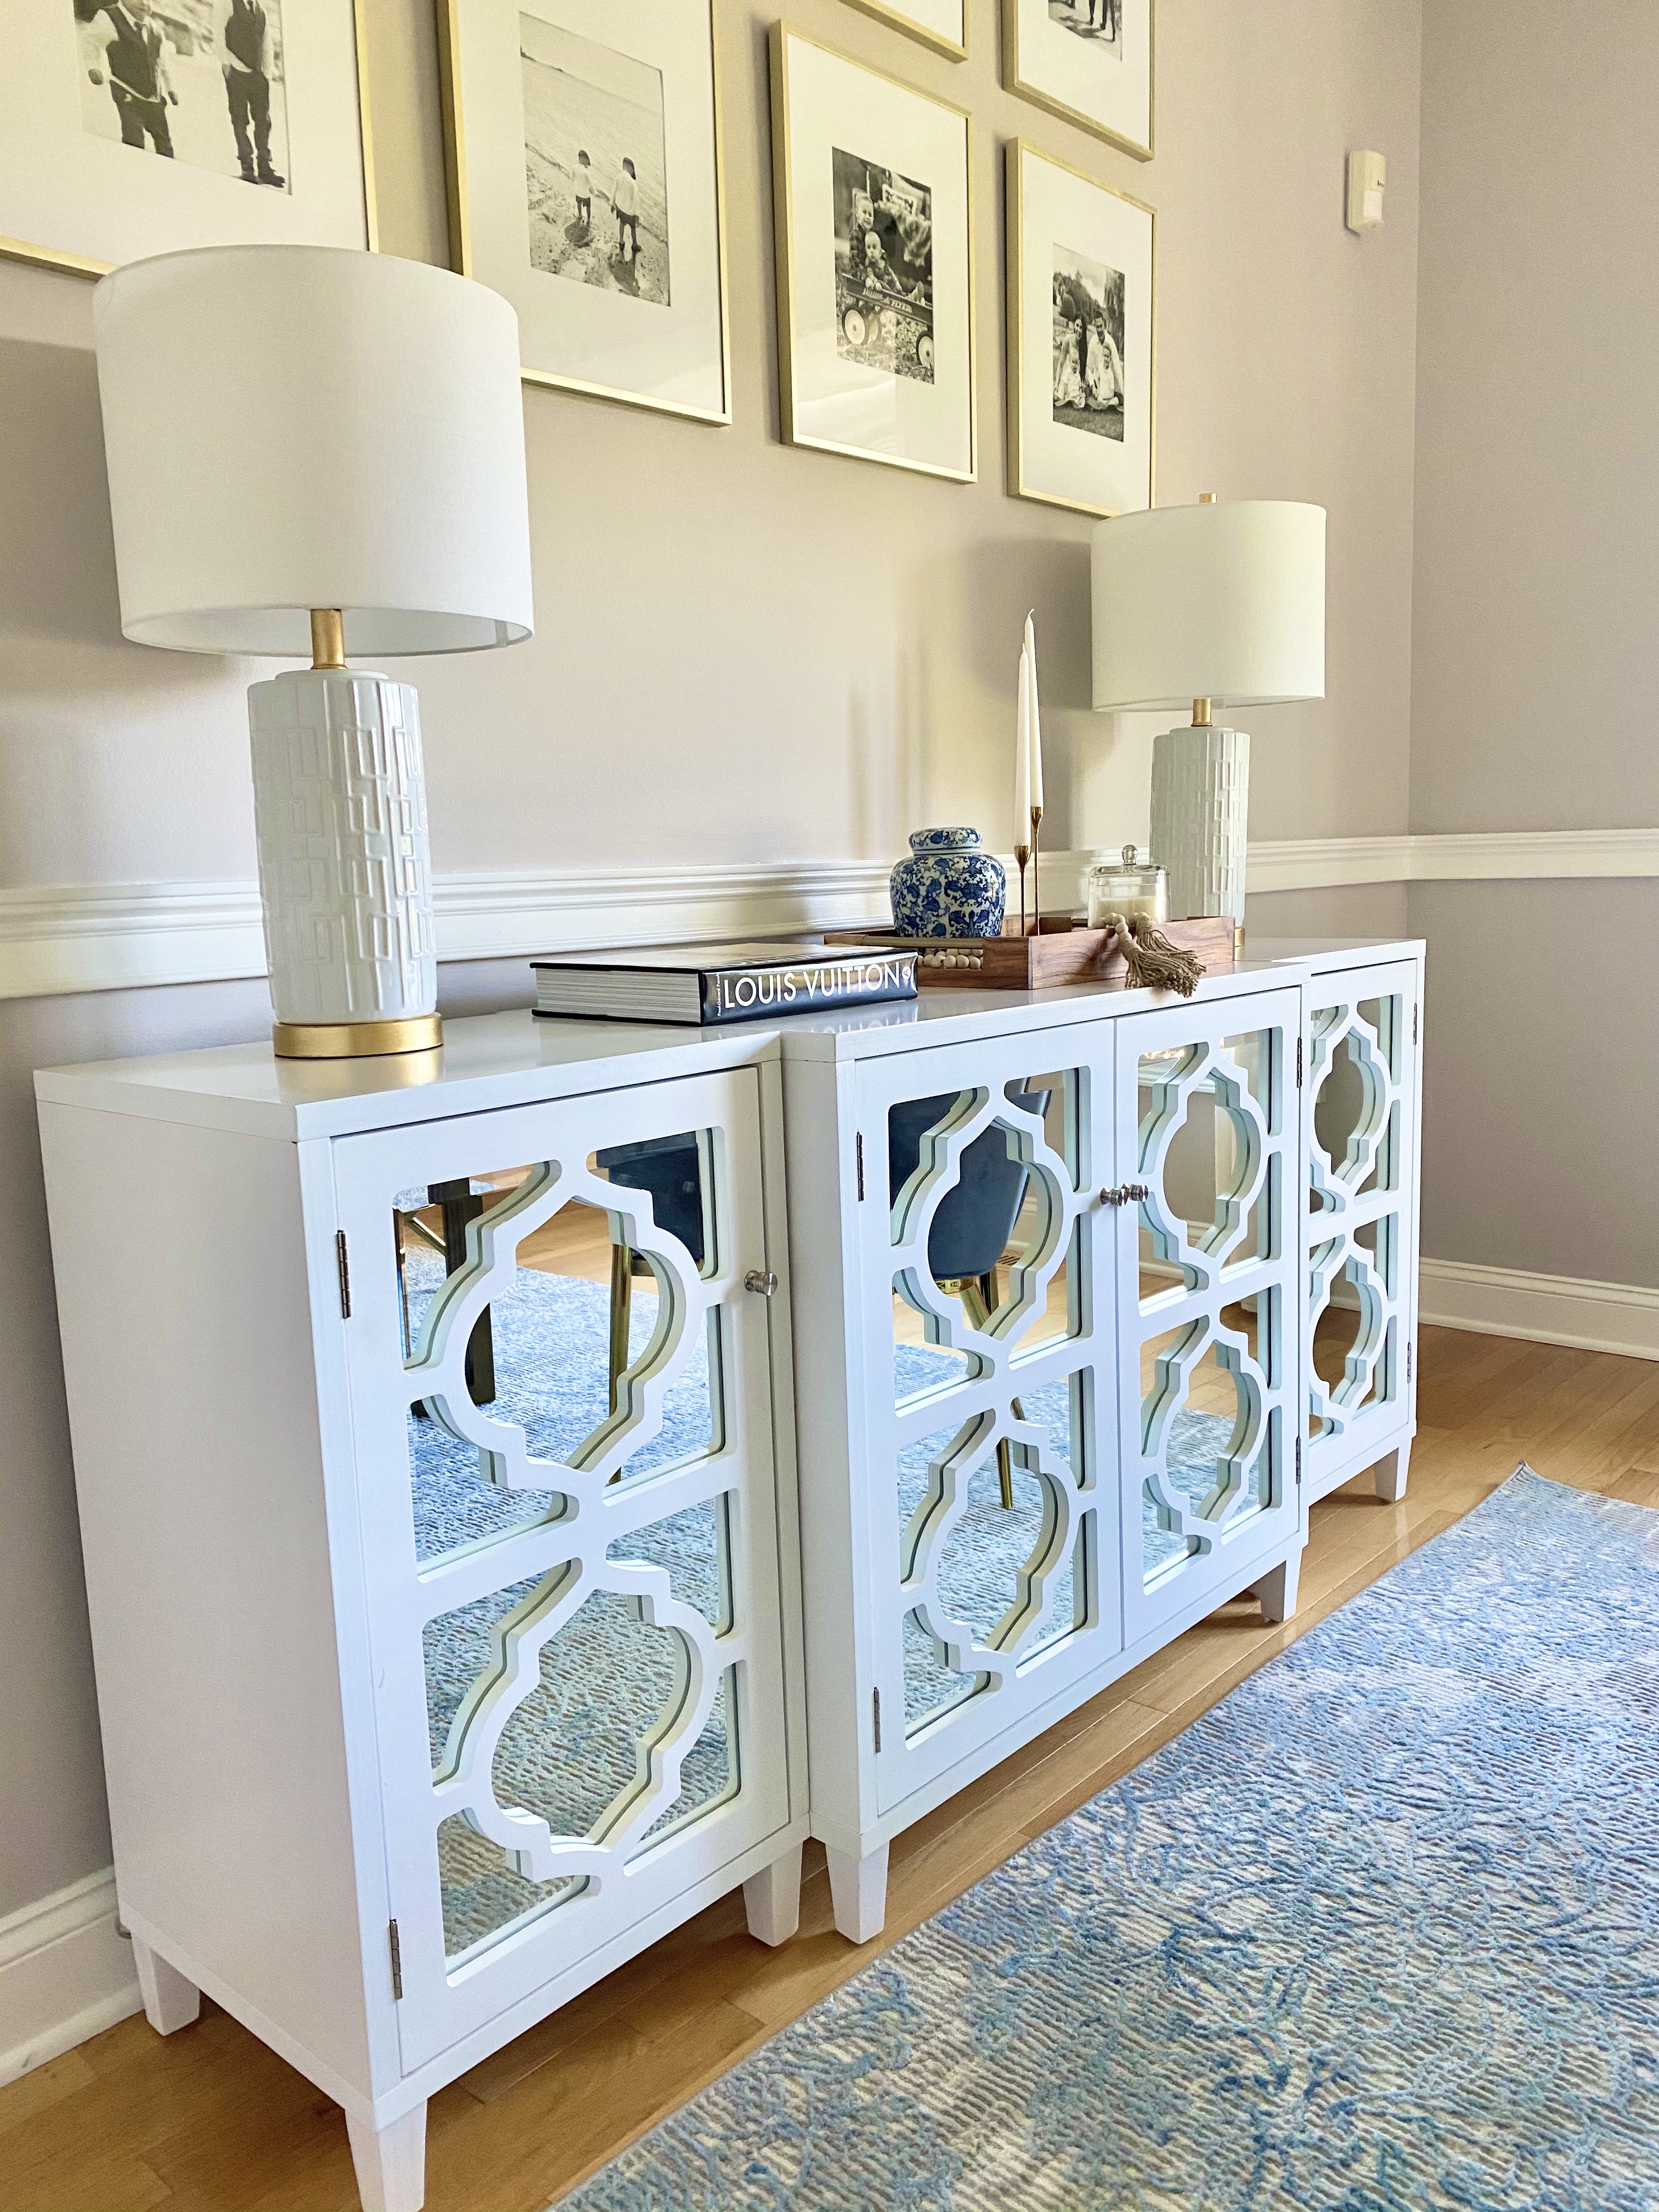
(1389, 1473)
(1277, 1590)
(858, 1890)
(772, 1899)
(170, 2001)
(390, 2162)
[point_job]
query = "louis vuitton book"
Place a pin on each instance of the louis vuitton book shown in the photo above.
(713, 984)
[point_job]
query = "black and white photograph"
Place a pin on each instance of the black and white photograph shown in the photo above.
(595, 172)
(202, 82)
(1100, 22)
(1088, 339)
(1090, 61)
(883, 267)
(874, 238)
(1082, 304)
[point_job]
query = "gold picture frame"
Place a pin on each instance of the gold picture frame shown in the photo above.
(82, 264)
(789, 262)
(462, 237)
(1016, 80)
(1023, 481)
(900, 19)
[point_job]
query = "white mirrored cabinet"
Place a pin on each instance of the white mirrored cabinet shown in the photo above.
(450, 1434)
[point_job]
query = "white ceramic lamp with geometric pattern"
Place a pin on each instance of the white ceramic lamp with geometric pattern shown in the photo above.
(313, 451)
(1222, 605)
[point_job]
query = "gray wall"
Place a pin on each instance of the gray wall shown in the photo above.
(811, 656)
(1536, 626)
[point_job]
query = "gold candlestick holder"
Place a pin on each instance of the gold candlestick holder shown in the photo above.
(1022, 855)
(1036, 873)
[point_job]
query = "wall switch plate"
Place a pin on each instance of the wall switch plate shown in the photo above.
(1367, 174)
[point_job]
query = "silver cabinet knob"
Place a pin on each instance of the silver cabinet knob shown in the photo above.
(762, 1284)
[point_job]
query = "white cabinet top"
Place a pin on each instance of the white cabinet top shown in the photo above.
(492, 1061)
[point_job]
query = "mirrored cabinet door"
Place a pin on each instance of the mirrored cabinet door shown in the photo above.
(561, 1406)
(986, 1363)
(1361, 1061)
(1208, 1304)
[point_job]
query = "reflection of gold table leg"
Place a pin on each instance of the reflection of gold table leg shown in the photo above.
(621, 1313)
(980, 1296)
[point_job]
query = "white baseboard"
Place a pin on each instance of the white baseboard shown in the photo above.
(1621, 1317)
(65, 1974)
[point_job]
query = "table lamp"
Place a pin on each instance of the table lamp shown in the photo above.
(318, 452)
(1223, 604)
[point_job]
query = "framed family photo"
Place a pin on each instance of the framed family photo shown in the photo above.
(583, 143)
(940, 24)
(1090, 61)
(1082, 350)
(135, 127)
(874, 233)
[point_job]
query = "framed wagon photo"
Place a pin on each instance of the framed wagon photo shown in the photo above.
(583, 143)
(135, 127)
(1081, 352)
(874, 234)
(1088, 60)
(940, 24)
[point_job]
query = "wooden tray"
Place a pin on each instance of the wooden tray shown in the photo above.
(1061, 951)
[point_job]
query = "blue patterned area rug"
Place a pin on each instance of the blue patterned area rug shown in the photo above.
(1380, 1933)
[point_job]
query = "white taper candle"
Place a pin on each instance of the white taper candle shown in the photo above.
(1023, 753)
(1027, 663)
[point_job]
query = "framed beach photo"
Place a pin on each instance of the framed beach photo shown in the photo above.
(135, 127)
(940, 24)
(1082, 338)
(1088, 60)
(874, 234)
(583, 142)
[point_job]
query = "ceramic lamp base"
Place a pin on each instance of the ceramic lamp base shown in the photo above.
(1201, 815)
(346, 877)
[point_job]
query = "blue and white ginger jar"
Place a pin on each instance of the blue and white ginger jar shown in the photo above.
(948, 887)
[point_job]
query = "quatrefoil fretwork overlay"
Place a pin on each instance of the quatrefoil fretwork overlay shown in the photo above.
(995, 1342)
(1213, 1436)
(567, 1408)
(1355, 1223)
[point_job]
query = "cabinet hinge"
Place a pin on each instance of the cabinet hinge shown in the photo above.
(397, 1959)
(343, 1267)
(858, 1150)
(876, 1702)
(1299, 1462)
(1298, 1063)
(1413, 1021)
(1408, 1359)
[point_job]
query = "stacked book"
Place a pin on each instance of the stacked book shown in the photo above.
(708, 984)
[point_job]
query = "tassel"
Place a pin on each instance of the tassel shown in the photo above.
(1150, 963)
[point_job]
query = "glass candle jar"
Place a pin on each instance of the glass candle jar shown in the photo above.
(1128, 886)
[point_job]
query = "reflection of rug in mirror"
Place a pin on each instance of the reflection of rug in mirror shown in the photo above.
(1380, 1932)
(606, 1676)
(990, 1542)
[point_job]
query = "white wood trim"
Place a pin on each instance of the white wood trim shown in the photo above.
(66, 1973)
(1513, 855)
(1621, 1317)
(120, 936)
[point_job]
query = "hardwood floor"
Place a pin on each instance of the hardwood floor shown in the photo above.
(210, 2121)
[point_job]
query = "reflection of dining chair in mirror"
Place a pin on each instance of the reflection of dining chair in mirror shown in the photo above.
(974, 1220)
(457, 1204)
(669, 1170)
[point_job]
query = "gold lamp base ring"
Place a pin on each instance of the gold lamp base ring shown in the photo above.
(355, 1040)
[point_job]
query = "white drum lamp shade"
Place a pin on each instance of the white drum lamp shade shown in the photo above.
(1216, 602)
(301, 431)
